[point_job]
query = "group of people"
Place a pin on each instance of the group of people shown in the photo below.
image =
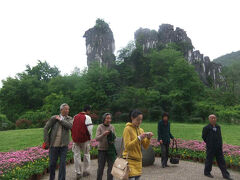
(57, 131)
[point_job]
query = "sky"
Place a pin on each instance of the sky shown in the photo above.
(52, 30)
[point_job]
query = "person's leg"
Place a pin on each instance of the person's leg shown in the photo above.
(86, 157)
(53, 157)
(77, 158)
(62, 170)
(221, 163)
(167, 154)
(163, 154)
(135, 178)
(102, 157)
(209, 161)
(110, 165)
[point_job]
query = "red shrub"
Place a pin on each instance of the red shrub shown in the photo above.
(23, 123)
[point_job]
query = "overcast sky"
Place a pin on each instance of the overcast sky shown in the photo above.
(50, 30)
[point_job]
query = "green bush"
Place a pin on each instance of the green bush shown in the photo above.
(196, 120)
(203, 109)
(5, 123)
(155, 113)
(37, 118)
(124, 117)
(229, 116)
(116, 117)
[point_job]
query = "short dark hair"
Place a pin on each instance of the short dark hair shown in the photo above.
(87, 108)
(133, 114)
(165, 114)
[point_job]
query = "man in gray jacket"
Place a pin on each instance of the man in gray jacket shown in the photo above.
(56, 137)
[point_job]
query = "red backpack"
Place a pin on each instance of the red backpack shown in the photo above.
(80, 132)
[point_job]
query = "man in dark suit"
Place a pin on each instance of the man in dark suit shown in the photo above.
(212, 136)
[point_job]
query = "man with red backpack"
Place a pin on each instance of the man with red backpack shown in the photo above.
(81, 135)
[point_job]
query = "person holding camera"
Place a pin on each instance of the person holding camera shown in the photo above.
(134, 137)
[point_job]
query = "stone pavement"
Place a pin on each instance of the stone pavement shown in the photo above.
(183, 171)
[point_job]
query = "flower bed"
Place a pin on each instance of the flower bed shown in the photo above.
(33, 162)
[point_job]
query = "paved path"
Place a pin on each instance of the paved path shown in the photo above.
(184, 171)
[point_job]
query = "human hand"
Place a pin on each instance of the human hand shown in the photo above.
(150, 135)
(142, 136)
(106, 133)
(58, 118)
(45, 145)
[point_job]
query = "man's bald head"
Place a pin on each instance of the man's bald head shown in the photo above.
(212, 119)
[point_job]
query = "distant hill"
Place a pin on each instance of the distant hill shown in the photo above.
(228, 59)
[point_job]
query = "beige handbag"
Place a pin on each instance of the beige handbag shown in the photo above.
(120, 169)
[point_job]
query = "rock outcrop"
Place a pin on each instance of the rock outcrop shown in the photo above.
(100, 44)
(209, 72)
(100, 47)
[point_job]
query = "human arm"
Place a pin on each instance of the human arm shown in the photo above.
(66, 123)
(47, 128)
(100, 135)
(129, 144)
(170, 134)
(160, 138)
(146, 141)
(89, 124)
(204, 134)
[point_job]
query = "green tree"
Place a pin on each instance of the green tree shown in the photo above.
(186, 89)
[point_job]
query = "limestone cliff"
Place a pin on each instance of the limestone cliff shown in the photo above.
(100, 44)
(209, 72)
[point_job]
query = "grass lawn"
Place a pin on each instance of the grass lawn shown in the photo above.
(20, 139)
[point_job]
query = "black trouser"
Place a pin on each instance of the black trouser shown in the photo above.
(164, 153)
(211, 153)
(54, 153)
(102, 159)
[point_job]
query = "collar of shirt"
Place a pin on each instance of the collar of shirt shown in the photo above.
(61, 117)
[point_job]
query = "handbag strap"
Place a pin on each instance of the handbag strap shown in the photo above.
(174, 143)
(122, 149)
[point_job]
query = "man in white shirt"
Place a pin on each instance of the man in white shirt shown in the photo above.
(81, 141)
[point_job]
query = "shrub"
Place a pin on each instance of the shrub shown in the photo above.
(5, 123)
(155, 113)
(37, 118)
(124, 117)
(203, 109)
(229, 116)
(23, 123)
(117, 116)
(196, 120)
(95, 117)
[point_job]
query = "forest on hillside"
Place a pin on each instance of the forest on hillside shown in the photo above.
(229, 59)
(161, 80)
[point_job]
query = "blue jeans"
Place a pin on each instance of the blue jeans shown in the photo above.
(54, 153)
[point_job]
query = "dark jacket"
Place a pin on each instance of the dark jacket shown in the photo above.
(164, 132)
(51, 128)
(213, 139)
